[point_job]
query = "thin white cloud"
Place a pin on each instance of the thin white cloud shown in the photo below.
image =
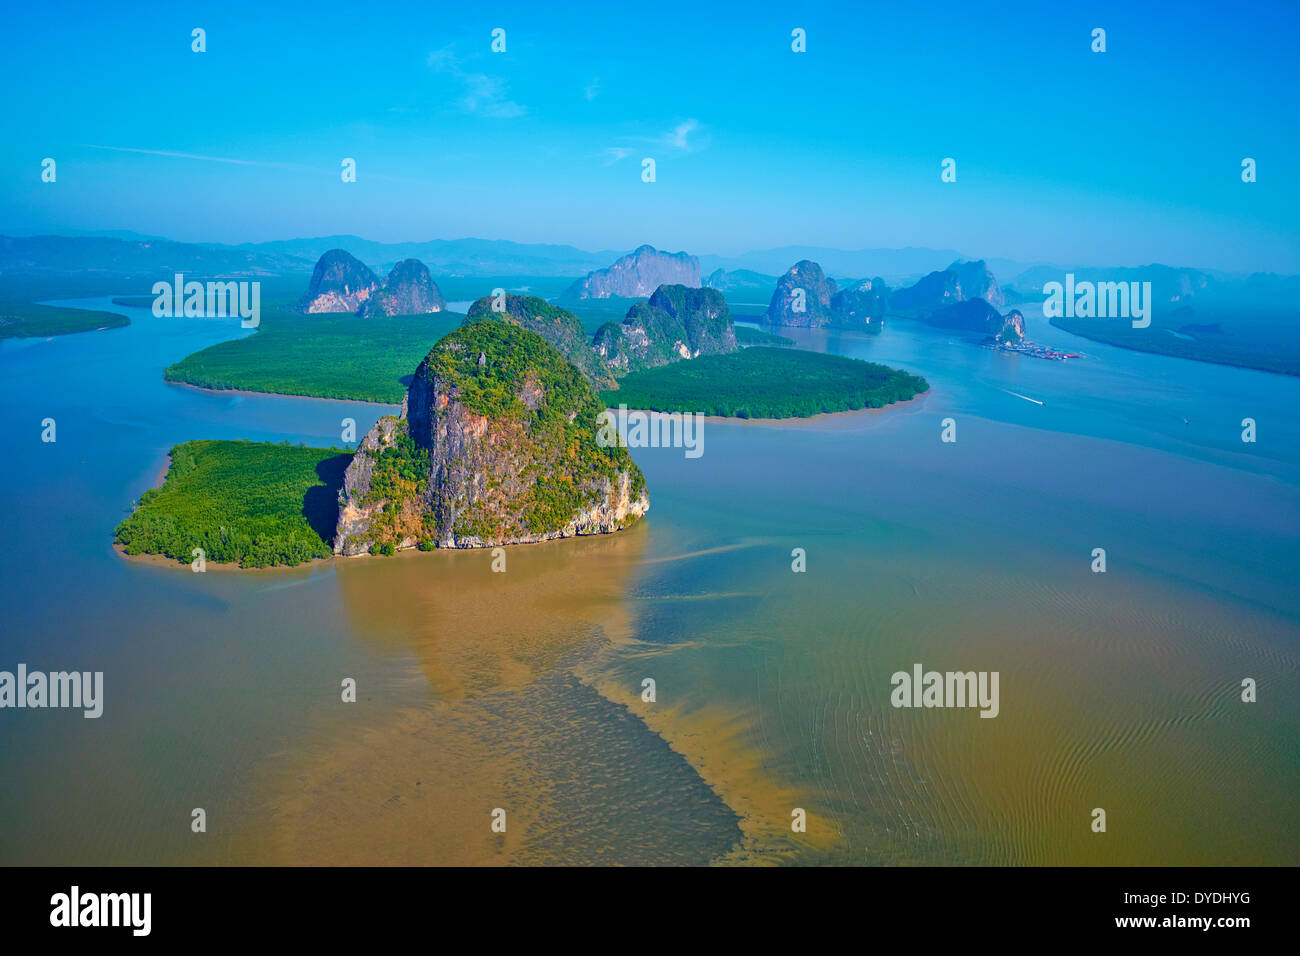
(207, 159)
(442, 61)
(486, 95)
(677, 137)
(171, 154)
(481, 94)
(592, 89)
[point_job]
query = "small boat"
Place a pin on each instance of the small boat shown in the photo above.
(1025, 397)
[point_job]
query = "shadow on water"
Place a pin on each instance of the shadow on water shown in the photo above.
(320, 505)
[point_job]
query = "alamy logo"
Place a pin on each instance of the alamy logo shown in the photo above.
(211, 300)
(1101, 300)
(36, 689)
(950, 689)
(635, 429)
(75, 908)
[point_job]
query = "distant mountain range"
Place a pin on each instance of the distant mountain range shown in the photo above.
(131, 253)
(137, 257)
(753, 273)
(891, 264)
(486, 257)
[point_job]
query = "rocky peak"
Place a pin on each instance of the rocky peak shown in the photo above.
(702, 314)
(408, 290)
(976, 281)
(960, 282)
(496, 444)
(679, 322)
(1013, 327)
(637, 274)
(560, 327)
(339, 283)
(861, 306)
(802, 297)
(974, 315)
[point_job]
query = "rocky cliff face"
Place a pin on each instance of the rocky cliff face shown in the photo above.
(960, 282)
(340, 283)
(560, 327)
(977, 282)
(677, 323)
(637, 275)
(742, 282)
(1013, 327)
(496, 444)
(408, 290)
(976, 315)
(802, 297)
(861, 307)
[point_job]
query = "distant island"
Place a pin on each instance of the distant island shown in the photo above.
(342, 283)
(767, 383)
(1262, 339)
(746, 337)
(637, 275)
(964, 297)
(26, 320)
(1241, 320)
(364, 354)
(806, 298)
(322, 355)
(680, 351)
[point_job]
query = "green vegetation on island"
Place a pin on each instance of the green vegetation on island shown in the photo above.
(747, 337)
(327, 355)
(248, 503)
(560, 327)
(1247, 338)
(26, 320)
(766, 383)
(513, 455)
(399, 472)
(676, 324)
(490, 367)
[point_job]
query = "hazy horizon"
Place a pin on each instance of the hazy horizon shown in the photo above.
(1063, 155)
(954, 254)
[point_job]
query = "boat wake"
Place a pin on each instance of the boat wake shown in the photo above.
(1025, 397)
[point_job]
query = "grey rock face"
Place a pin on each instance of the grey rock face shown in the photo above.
(861, 307)
(960, 282)
(408, 290)
(802, 297)
(340, 283)
(637, 275)
(677, 323)
(527, 467)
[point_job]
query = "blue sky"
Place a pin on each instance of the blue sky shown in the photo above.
(1064, 155)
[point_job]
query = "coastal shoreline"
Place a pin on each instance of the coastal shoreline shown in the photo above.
(162, 561)
(796, 421)
(313, 398)
(1186, 358)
